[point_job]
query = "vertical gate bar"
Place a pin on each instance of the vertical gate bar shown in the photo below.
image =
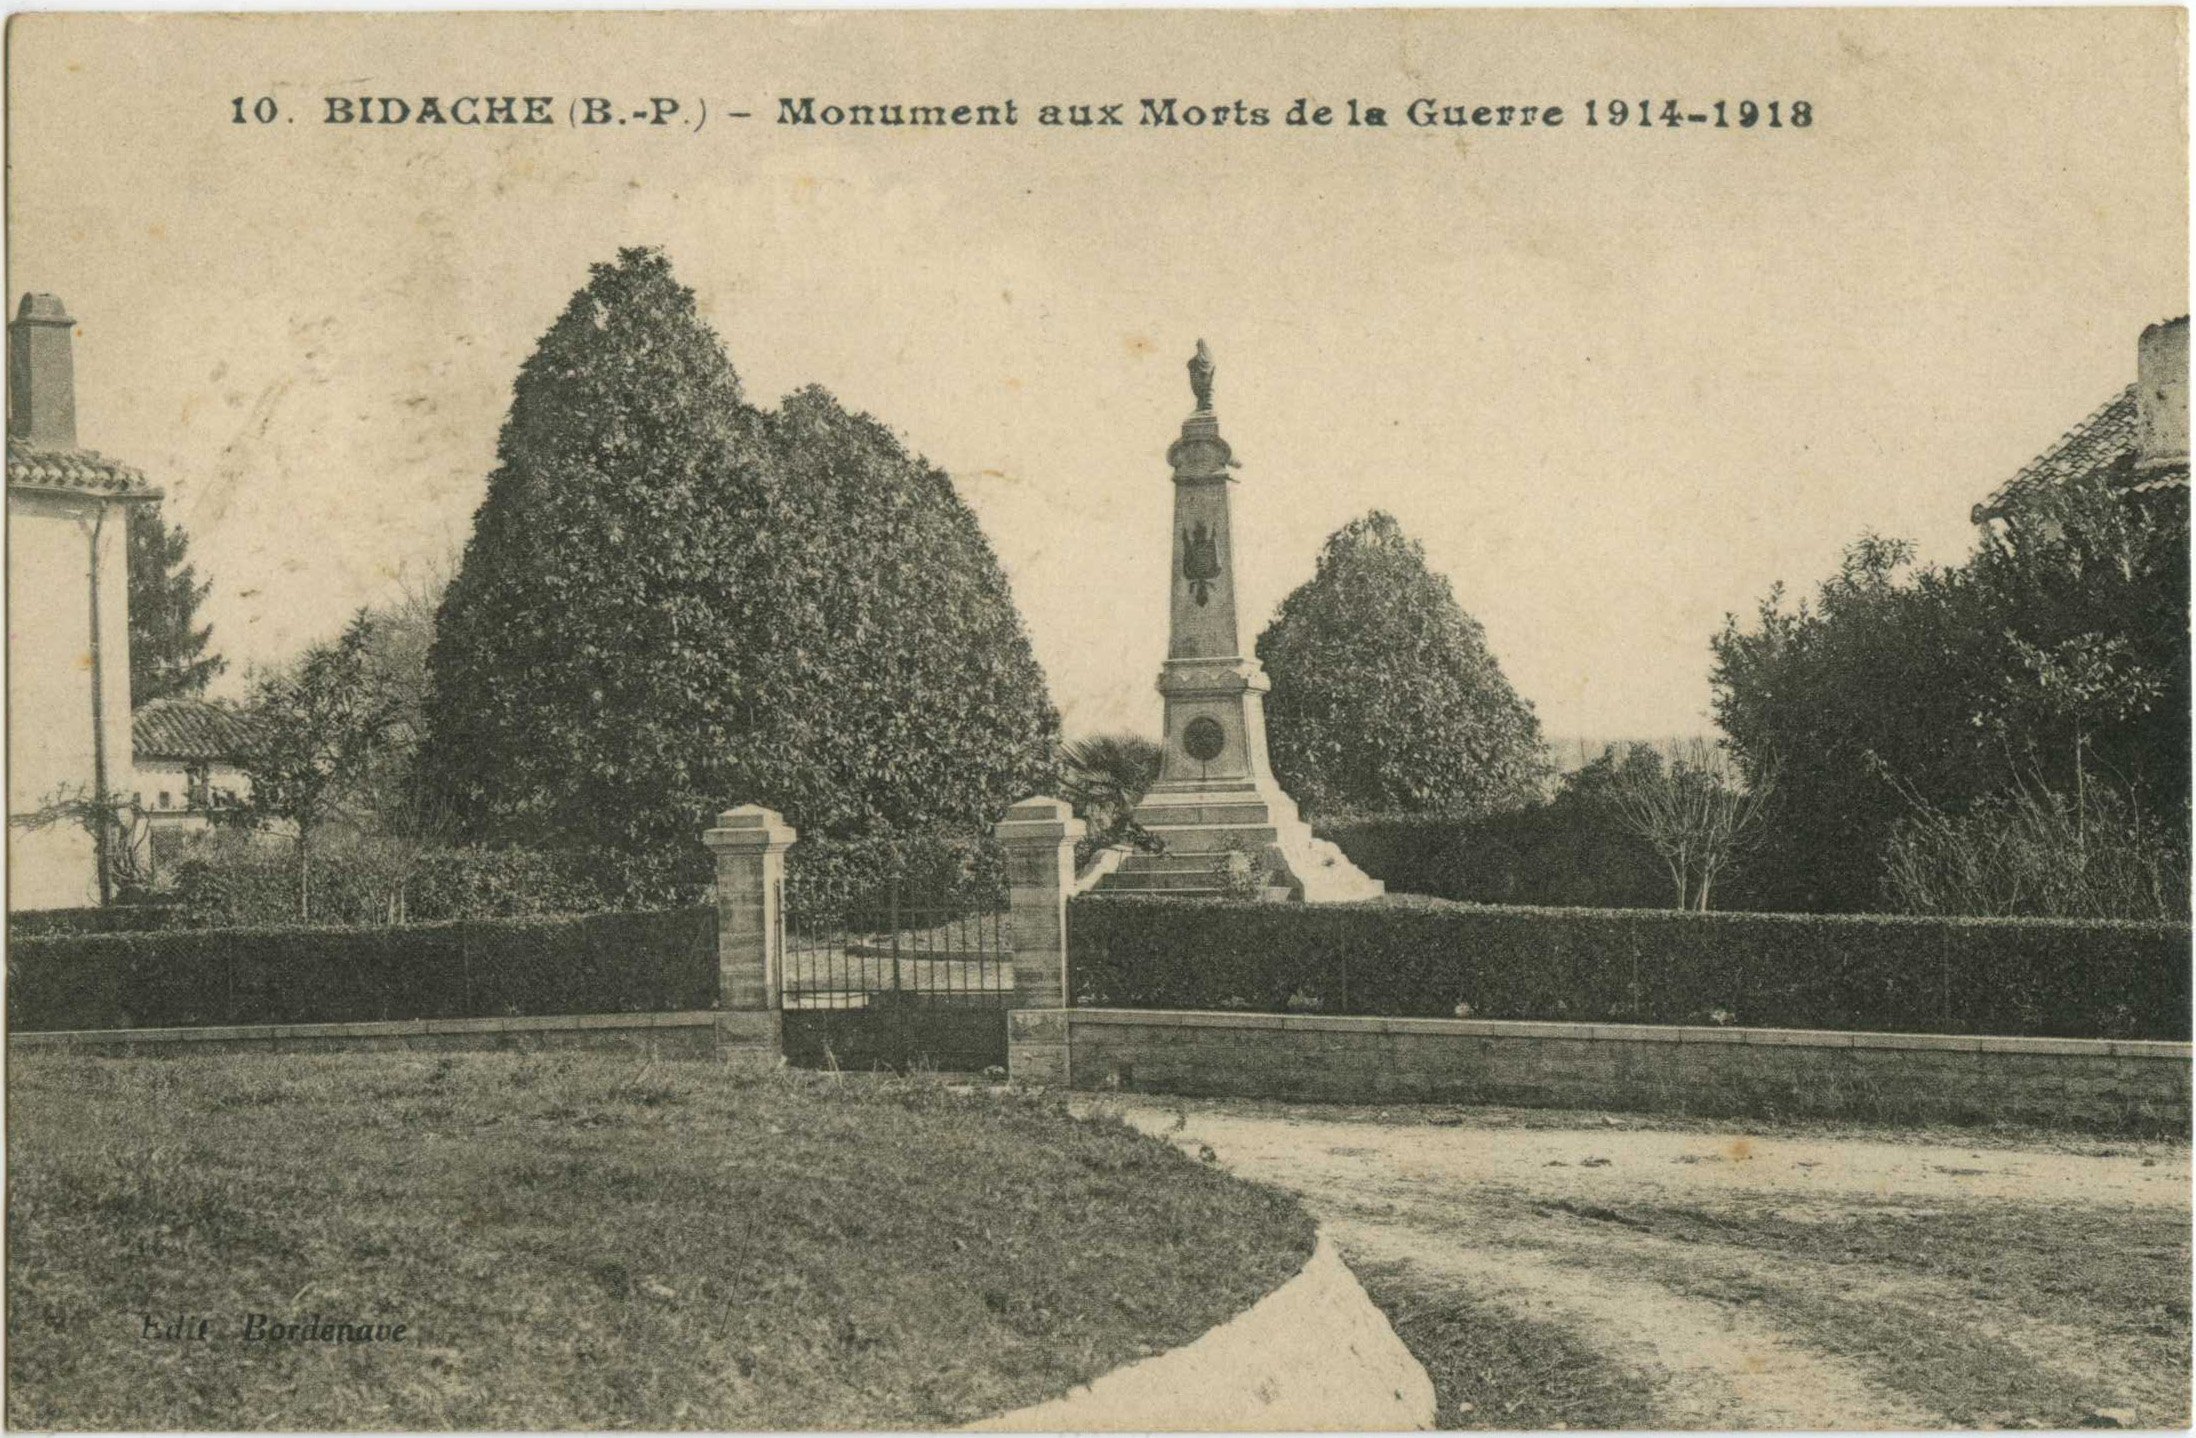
(895, 920)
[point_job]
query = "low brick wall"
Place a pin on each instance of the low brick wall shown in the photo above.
(749, 1038)
(2097, 1084)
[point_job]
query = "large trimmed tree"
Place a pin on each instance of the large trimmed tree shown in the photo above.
(672, 601)
(1385, 697)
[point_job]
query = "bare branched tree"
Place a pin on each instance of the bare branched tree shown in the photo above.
(1695, 810)
(118, 828)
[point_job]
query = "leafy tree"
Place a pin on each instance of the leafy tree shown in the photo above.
(2087, 587)
(672, 601)
(2057, 653)
(1385, 697)
(322, 726)
(168, 646)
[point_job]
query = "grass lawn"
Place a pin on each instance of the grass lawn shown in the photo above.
(591, 1241)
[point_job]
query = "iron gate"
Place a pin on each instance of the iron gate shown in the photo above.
(895, 981)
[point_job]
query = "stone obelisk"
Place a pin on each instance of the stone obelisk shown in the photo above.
(1216, 789)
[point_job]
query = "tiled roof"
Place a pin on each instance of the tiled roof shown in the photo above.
(190, 729)
(82, 471)
(2101, 440)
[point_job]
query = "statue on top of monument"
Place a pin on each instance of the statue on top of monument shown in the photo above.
(1200, 368)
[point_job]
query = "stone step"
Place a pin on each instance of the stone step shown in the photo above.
(1112, 886)
(1169, 863)
(1176, 882)
(1209, 839)
(1130, 891)
(1207, 815)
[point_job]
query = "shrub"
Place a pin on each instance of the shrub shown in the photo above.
(935, 871)
(475, 881)
(600, 963)
(2061, 978)
(2035, 851)
(233, 878)
(110, 919)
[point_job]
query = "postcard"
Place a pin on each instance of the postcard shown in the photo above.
(1098, 720)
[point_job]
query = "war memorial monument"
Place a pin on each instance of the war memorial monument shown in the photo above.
(1216, 792)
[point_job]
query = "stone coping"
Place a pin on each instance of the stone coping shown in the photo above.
(1631, 1033)
(381, 1028)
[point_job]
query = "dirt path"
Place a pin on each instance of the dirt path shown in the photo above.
(1725, 1334)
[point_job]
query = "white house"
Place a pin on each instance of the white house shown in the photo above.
(188, 755)
(68, 627)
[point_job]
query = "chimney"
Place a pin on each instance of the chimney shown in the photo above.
(2161, 395)
(42, 374)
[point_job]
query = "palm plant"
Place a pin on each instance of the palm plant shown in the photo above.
(1105, 777)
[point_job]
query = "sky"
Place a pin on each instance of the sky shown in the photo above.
(1618, 382)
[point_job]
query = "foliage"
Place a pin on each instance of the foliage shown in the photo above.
(943, 870)
(2034, 851)
(599, 963)
(1385, 696)
(1240, 867)
(2057, 654)
(323, 732)
(672, 602)
(168, 647)
(230, 877)
(1106, 776)
(395, 798)
(1573, 851)
(1695, 811)
(2060, 978)
(95, 919)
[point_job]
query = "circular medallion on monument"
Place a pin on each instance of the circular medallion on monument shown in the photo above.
(1204, 739)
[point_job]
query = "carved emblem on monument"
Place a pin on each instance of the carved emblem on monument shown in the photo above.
(1204, 739)
(1200, 561)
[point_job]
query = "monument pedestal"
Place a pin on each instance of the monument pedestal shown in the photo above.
(1216, 793)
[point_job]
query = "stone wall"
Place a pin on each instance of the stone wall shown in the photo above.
(1765, 1073)
(694, 1034)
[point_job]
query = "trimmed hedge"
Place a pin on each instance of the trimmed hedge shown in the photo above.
(1562, 854)
(1431, 959)
(484, 968)
(95, 919)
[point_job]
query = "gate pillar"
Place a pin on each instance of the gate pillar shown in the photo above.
(1039, 838)
(749, 844)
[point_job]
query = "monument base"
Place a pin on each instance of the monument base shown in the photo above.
(1202, 829)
